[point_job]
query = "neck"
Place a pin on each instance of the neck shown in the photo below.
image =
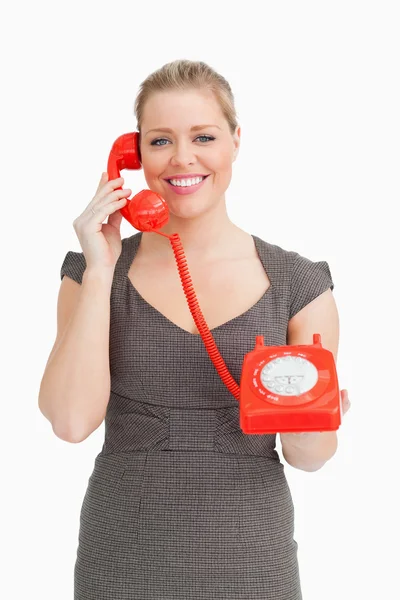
(208, 236)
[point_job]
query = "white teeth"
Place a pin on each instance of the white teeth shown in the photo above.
(186, 182)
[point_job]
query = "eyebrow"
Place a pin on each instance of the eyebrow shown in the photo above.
(194, 128)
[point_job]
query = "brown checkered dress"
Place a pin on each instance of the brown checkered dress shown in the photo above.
(181, 504)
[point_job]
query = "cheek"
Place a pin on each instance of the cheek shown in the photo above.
(153, 170)
(222, 162)
(223, 169)
(151, 161)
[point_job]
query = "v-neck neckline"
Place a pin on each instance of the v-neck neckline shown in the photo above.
(131, 255)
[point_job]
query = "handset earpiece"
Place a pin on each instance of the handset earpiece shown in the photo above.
(147, 210)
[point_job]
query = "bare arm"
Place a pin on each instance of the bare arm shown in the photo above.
(311, 451)
(75, 388)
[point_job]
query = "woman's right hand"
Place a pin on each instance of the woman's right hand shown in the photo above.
(101, 242)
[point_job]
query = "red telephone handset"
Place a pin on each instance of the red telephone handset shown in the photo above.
(282, 388)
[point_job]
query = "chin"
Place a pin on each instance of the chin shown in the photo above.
(187, 216)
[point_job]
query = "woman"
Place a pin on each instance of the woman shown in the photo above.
(181, 503)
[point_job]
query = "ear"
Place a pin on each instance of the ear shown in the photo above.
(236, 142)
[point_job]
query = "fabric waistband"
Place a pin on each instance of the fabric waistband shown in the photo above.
(132, 426)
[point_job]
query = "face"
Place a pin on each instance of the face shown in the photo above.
(199, 144)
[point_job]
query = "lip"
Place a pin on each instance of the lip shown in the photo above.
(183, 190)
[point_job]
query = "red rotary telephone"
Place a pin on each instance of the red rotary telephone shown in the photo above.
(282, 388)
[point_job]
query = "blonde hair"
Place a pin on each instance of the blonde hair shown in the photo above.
(183, 75)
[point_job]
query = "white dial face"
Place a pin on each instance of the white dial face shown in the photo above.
(289, 376)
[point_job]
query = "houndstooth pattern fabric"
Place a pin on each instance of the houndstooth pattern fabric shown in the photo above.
(181, 504)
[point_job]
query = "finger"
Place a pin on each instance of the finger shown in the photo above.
(115, 219)
(100, 203)
(107, 187)
(345, 401)
(113, 202)
(114, 184)
(103, 180)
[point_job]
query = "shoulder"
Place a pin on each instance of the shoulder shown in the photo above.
(131, 241)
(274, 256)
(73, 265)
(291, 257)
(305, 277)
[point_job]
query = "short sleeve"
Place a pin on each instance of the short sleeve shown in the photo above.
(308, 280)
(74, 266)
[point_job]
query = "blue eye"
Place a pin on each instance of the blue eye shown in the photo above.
(154, 142)
(208, 138)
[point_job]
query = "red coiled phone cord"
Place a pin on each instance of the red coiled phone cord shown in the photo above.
(197, 315)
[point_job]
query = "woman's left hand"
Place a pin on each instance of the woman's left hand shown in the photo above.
(312, 435)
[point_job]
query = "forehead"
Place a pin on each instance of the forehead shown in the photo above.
(181, 109)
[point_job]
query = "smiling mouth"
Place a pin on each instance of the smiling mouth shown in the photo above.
(187, 183)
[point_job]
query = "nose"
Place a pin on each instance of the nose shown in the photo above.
(183, 154)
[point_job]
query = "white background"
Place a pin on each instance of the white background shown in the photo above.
(316, 85)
